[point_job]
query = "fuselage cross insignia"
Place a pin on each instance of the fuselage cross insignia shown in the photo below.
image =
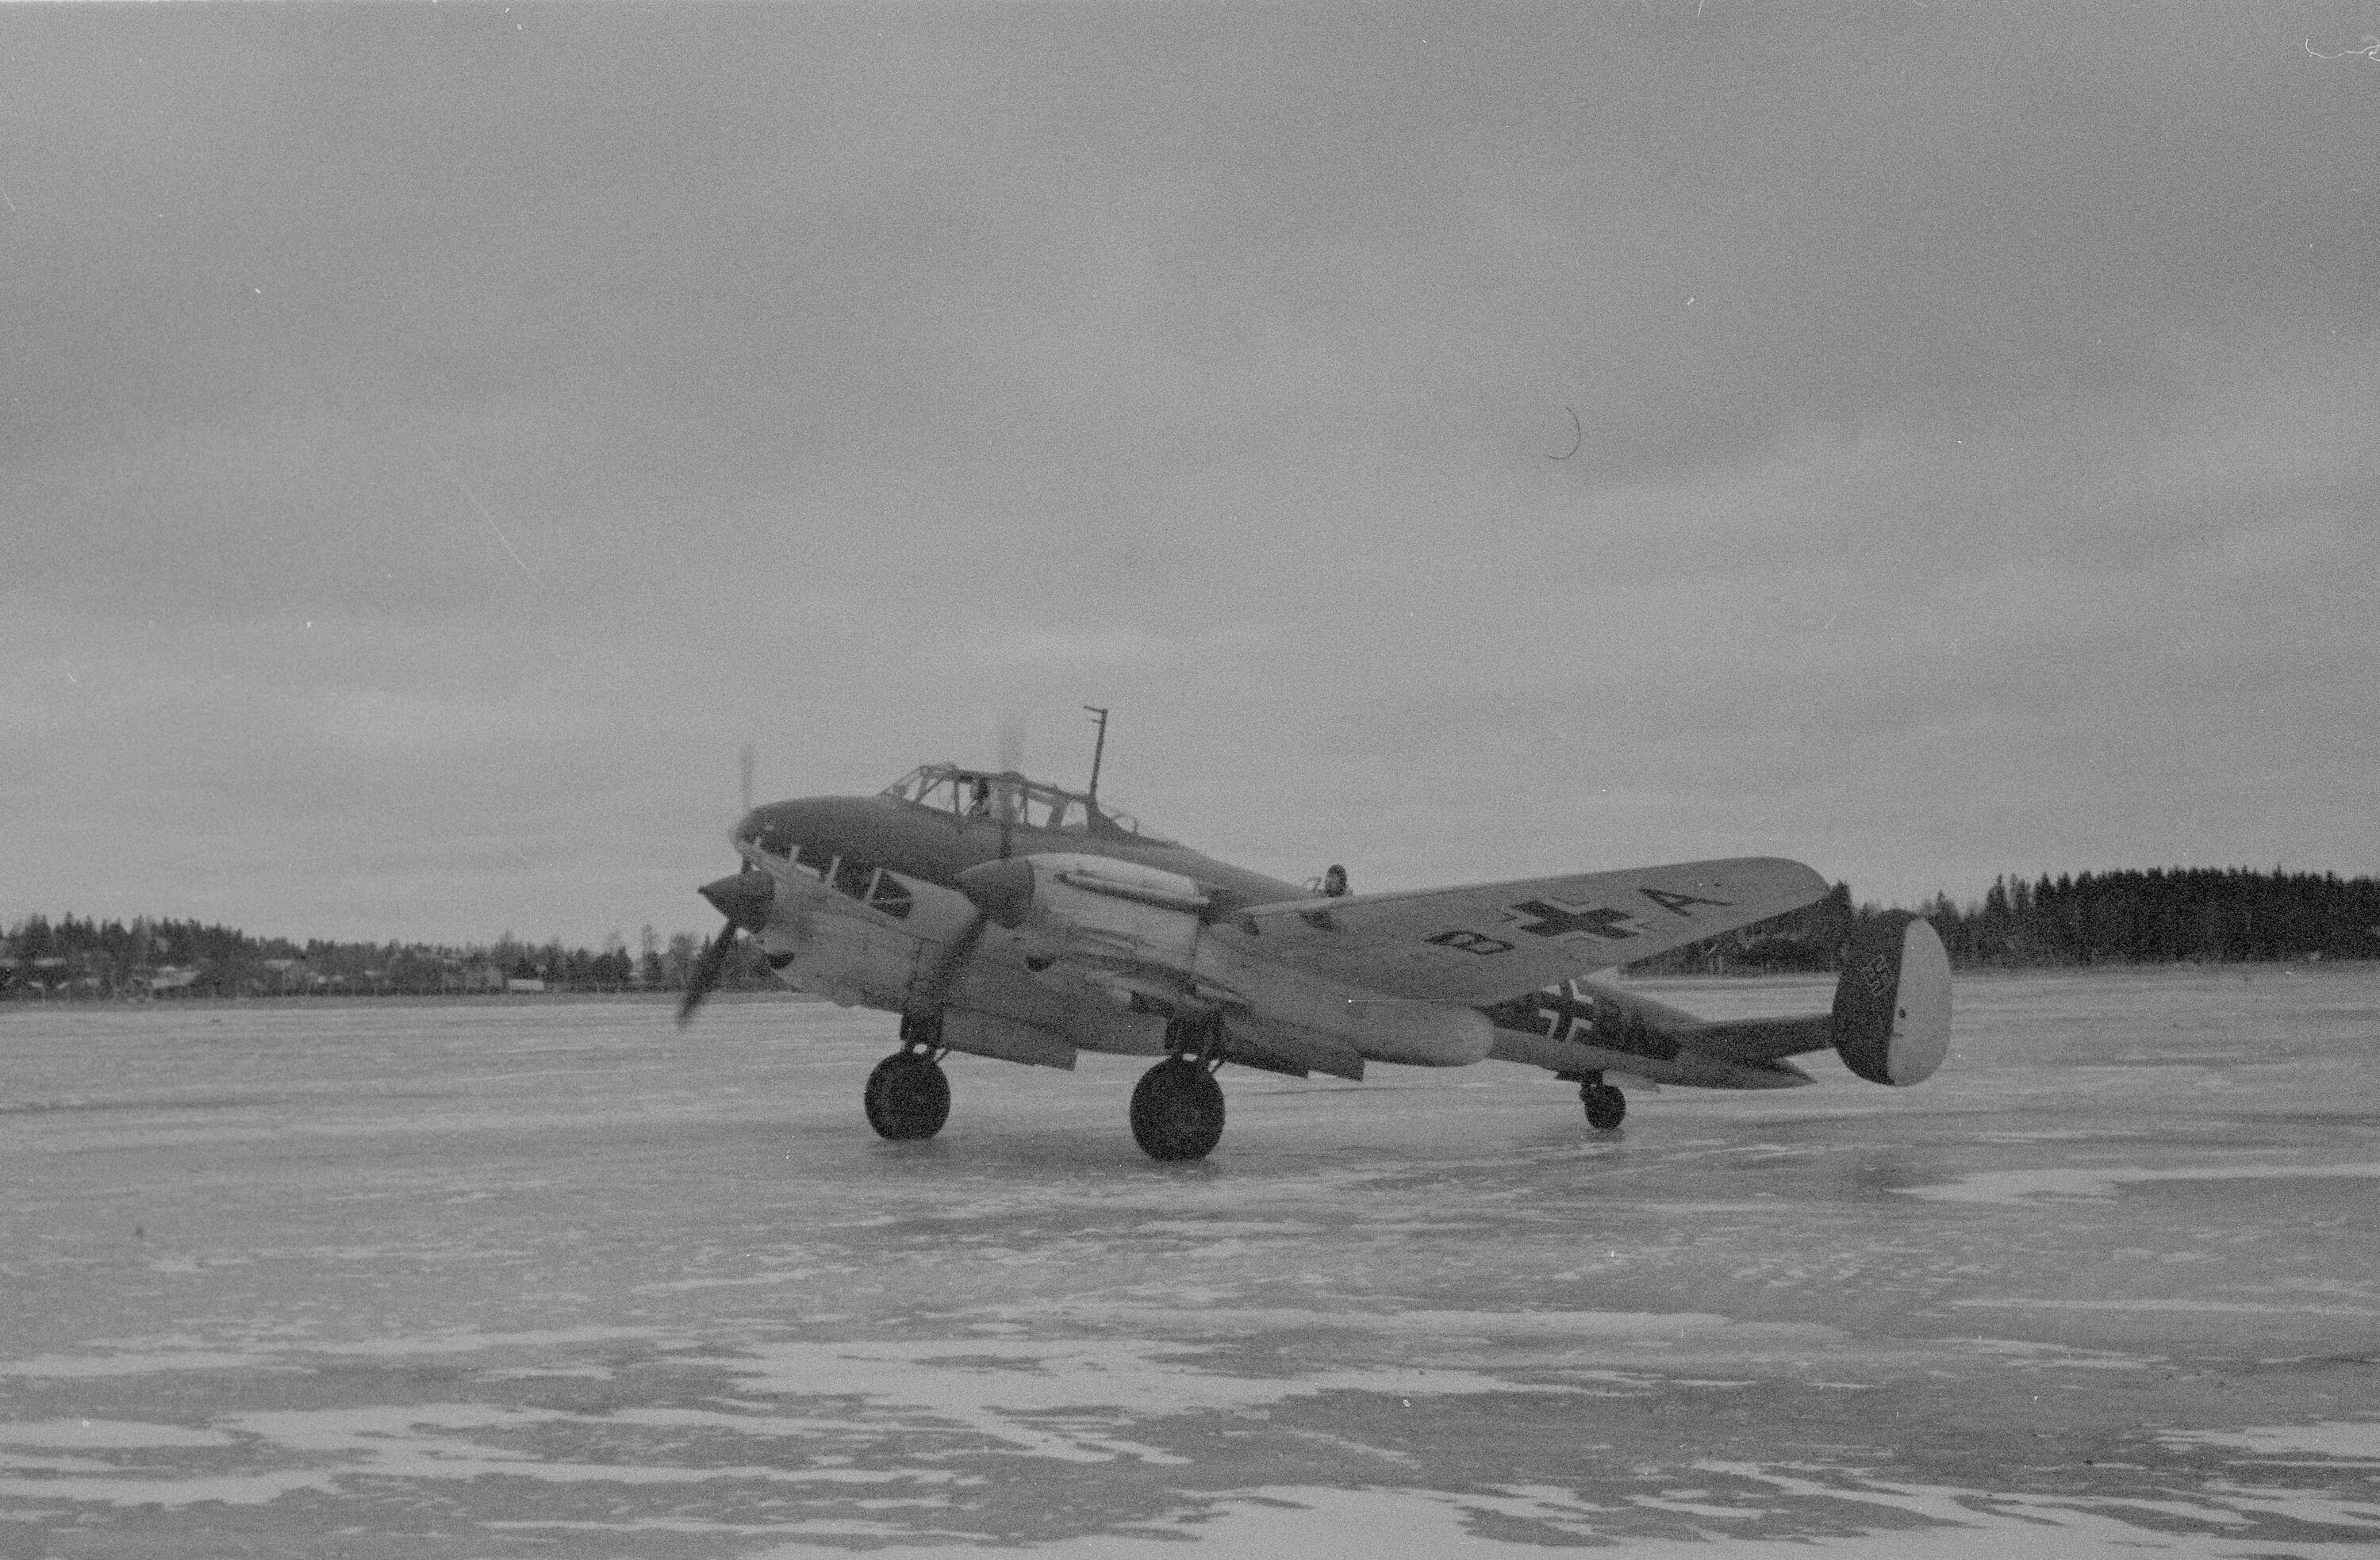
(1559, 921)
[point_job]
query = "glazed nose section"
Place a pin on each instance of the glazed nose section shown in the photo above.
(744, 898)
(781, 826)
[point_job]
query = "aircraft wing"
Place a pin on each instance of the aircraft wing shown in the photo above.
(1493, 940)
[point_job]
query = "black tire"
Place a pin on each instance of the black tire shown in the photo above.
(907, 1098)
(1177, 1111)
(1605, 1106)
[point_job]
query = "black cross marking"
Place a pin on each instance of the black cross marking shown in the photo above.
(1569, 1014)
(1612, 1027)
(1556, 921)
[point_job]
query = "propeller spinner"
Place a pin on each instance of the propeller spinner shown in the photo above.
(745, 899)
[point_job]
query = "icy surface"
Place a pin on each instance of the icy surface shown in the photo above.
(556, 1278)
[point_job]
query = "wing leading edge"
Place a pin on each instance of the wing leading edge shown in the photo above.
(1488, 942)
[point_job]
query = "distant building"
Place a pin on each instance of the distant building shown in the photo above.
(481, 975)
(292, 975)
(517, 983)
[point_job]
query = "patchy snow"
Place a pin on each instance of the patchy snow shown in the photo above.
(562, 1274)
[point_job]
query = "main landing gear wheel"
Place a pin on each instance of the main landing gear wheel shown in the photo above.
(907, 1097)
(1177, 1110)
(1605, 1105)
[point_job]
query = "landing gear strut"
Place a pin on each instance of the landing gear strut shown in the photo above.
(1177, 1110)
(907, 1097)
(1605, 1105)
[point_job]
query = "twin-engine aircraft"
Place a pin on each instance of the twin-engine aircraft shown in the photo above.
(1005, 917)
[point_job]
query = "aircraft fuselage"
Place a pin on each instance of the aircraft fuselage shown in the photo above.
(936, 845)
(1013, 919)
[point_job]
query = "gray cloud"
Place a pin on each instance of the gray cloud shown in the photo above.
(1973, 467)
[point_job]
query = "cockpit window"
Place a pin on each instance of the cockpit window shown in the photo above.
(773, 836)
(1013, 799)
(1048, 809)
(937, 786)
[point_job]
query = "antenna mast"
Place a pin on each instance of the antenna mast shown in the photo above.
(1099, 749)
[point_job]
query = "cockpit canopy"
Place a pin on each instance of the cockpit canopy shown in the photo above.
(1012, 798)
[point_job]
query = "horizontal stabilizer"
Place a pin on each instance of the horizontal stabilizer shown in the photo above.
(1697, 1070)
(1760, 1041)
(1891, 1018)
(1891, 1024)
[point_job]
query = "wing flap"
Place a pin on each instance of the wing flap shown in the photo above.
(1491, 941)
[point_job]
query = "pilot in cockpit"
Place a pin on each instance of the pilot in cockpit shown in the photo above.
(982, 807)
(1334, 881)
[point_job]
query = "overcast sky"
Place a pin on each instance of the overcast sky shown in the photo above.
(435, 440)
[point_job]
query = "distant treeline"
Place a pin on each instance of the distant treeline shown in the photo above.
(2158, 916)
(77, 958)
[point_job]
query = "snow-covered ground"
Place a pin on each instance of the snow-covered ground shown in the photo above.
(495, 1279)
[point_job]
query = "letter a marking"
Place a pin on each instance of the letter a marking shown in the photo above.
(1675, 903)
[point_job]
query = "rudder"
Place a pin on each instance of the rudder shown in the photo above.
(1893, 1005)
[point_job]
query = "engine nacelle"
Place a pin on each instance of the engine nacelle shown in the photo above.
(1415, 1034)
(1893, 1005)
(1093, 907)
(1142, 931)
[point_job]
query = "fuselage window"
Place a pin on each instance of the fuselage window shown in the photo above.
(817, 859)
(890, 895)
(851, 877)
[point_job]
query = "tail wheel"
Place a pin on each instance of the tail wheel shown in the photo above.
(907, 1097)
(1177, 1110)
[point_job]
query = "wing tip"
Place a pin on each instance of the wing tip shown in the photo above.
(1782, 872)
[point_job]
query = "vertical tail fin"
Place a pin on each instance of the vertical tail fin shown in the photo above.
(1893, 1005)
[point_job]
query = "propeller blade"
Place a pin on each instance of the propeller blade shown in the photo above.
(1011, 747)
(704, 973)
(1010, 744)
(938, 980)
